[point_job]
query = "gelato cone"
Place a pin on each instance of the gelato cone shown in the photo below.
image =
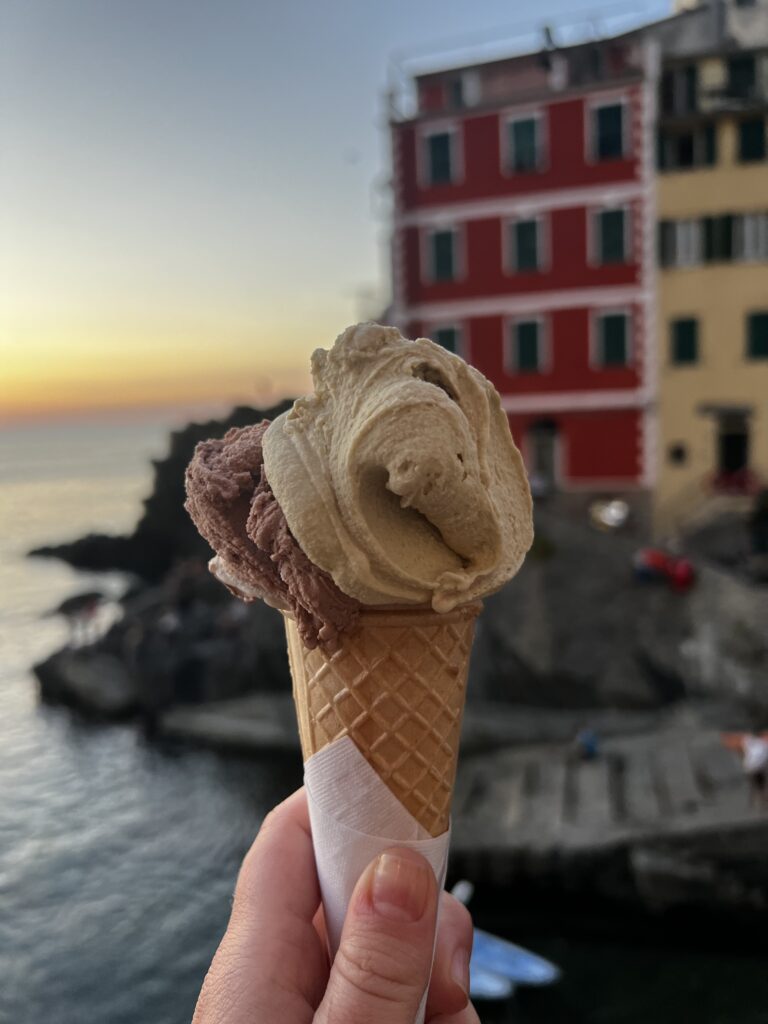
(396, 687)
(375, 515)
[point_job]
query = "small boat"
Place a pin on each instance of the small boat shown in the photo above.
(497, 966)
(496, 962)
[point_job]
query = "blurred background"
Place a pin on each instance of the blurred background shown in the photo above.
(197, 195)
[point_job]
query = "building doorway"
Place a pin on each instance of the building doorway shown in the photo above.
(542, 450)
(732, 443)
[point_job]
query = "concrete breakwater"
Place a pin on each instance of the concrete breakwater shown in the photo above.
(661, 818)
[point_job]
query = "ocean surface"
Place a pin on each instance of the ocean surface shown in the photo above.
(118, 858)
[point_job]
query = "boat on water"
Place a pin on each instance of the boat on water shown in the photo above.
(499, 967)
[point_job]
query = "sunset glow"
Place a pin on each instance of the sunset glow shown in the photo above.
(194, 195)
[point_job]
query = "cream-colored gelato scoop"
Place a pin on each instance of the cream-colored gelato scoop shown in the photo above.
(399, 476)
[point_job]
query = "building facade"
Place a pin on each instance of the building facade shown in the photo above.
(523, 238)
(712, 324)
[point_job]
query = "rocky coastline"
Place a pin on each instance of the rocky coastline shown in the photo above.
(574, 640)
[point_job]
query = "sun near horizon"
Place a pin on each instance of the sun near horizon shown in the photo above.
(72, 371)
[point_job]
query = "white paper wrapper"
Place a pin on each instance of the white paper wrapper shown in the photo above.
(352, 824)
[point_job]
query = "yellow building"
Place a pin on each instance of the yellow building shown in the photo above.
(712, 207)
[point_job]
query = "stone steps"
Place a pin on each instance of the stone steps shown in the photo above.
(545, 795)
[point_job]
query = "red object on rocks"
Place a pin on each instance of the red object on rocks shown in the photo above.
(654, 564)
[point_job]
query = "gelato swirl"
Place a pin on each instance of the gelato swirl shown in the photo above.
(233, 507)
(399, 476)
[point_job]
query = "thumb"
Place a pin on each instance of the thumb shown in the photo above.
(382, 967)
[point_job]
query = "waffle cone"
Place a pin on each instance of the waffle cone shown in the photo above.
(396, 687)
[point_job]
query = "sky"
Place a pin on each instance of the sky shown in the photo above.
(193, 194)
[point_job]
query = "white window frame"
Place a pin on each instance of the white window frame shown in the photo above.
(542, 152)
(510, 324)
(595, 316)
(561, 452)
(594, 236)
(750, 242)
(432, 327)
(671, 321)
(590, 136)
(543, 243)
(452, 129)
(425, 251)
(689, 242)
(679, 90)
(698, 134)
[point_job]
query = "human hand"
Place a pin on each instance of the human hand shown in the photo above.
(272, 966)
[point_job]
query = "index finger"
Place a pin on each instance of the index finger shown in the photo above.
(271, 964)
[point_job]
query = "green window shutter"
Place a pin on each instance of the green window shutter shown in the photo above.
(439, 150)
(661, 151)
(709, 239)
(610, 236)
(742, 76)
(447, 337)
(524, 144)
(724, 236)
(718, 238)
(609, 132)
(752, 142)
(757, 336)
(613, 339)
(443, 262)
(710, 144)
(527, 347)
(685, 341)
(667, 247)
(526, 252)
(691, 88)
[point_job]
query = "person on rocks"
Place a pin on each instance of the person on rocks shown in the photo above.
(754, 754)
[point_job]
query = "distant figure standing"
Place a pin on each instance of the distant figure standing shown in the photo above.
(587, 744)
(755, 761)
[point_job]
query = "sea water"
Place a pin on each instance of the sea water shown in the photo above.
(118, 858)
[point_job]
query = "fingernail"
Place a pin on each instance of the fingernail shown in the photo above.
(460, 969)
(400, 887)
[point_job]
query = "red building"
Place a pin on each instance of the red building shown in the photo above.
(523, 239)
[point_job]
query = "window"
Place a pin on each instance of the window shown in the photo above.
(612, 339)
(526, 255)
(442, 255)
(611, 236)
(718, 238)
(448, 337)
(752, 139)
(757, 336)
(750, 236)
(608, 132)
(741, 76)
(524, 145)
(680, 243)
(683, 149)
(456, 92)
(679, 90)
(439, 158)
(526, 341)
(667, 243)
(685, 341)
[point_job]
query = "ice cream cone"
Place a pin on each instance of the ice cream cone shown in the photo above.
(396, 687)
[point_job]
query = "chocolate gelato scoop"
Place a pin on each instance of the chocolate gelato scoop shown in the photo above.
(257, 557)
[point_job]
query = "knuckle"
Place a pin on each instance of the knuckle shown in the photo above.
(380, 970)
(270, 829)
(271, 823)
(455, 916)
